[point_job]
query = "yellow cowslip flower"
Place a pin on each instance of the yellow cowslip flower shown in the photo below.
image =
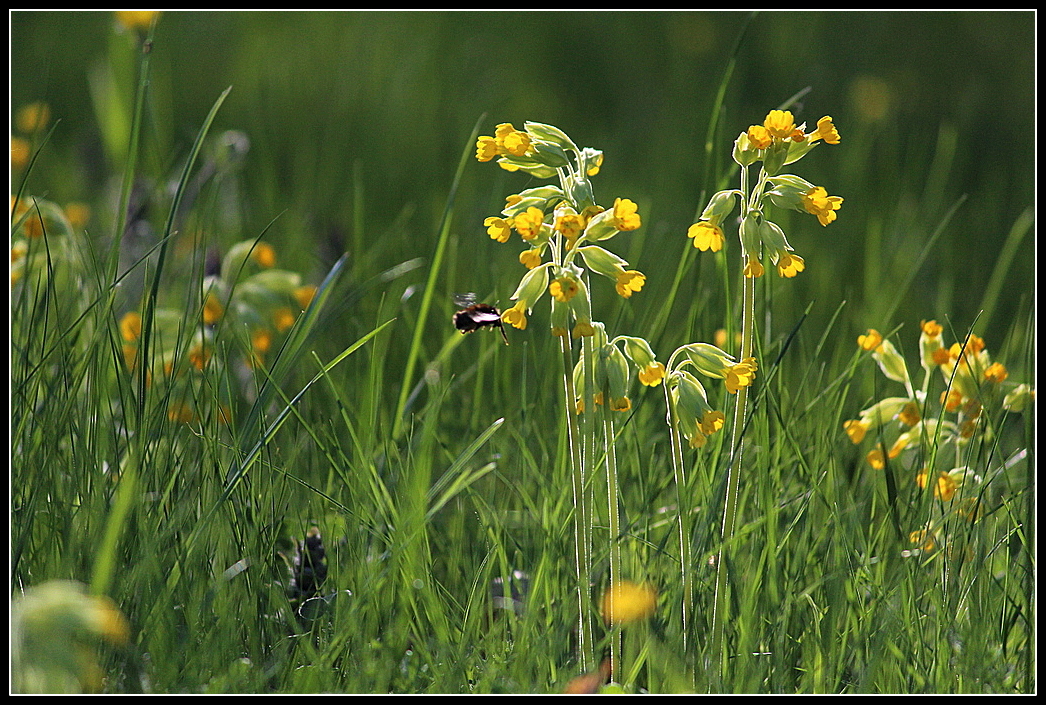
(740, 375)
(626, 602)
(754, 268)
(78, 214)
(20, 153)
(825, 131)
(759, 137)
(930, 343)
(996, 372)
(951, 400)
(788, 265)
(199, 356)
(516, 316)
(33, 117)
(530, 258)
(264, 255)
(570, 225)
(910, 415)
(620, 404)
(283, 318)
(499, 229)
(870, 340)
(817, 202)
(595, 165)
(697, 439)
(706, 236)
(180, 413)
(779, 123)
(583, 329)
(212, 309)
(563, 289)
(626, 215)
(1018, 398)
(924, 539)
(261, 340)
(511, 141)
(943, 489)
(131, 326)
(712, 421)
(139, 20)
(628, 282)
(652, 374)
(486, 148)
(304, 296)
(528, 224)
(875, 459)
(856, 429)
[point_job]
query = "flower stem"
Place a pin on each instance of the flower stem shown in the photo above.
(614, 525)
(581, 517)
(720, 610)
(682, 515)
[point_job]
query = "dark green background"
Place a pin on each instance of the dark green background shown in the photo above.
(385, 101)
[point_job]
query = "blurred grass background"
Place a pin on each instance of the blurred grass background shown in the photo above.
(932, 106)
(356, 123)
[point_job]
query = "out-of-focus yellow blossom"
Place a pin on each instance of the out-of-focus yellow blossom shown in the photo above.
(131, 326)
(212, 309)
(264, 255)
(137, 20)
(56, 628)
(943, 489)
(283, 318)
(996, 373)
(33, 117)
(583, 329)
(923, 539)
(304, 295)
(20, 153)
(626, 602)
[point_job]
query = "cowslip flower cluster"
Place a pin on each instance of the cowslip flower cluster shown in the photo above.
(43, 244)
(906, 427)
(696, 418)
(564, 231)
(776, 143)
(560, 226)
(249, 299)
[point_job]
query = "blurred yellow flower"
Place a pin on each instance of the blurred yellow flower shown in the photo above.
(626, 602)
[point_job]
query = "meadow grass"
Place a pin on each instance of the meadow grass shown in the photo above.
(438, 467)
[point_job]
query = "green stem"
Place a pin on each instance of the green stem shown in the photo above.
(581, 519)
(614, 525)
(682, 514)
(720, 610)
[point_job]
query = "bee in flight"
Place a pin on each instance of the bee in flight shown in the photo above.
(474, 316)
